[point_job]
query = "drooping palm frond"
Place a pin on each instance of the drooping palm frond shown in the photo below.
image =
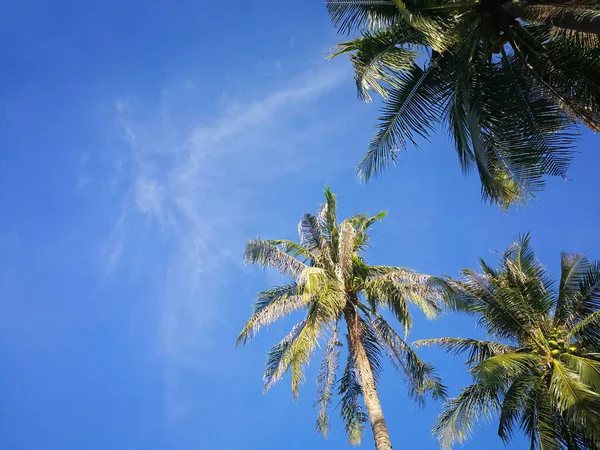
(294, 351)
(411, 108)
(474, 404)
(514, 402)
(270, 306)
(350, 408)
(326, 380)
(279, 357)
(421, 377)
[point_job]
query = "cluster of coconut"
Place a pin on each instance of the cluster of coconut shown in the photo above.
(558, 345)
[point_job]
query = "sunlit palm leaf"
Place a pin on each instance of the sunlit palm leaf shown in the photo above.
(377, 57)
(267, 254)
(270, 306)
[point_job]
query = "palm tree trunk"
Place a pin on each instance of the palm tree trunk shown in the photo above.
(568, 20)
(365, 373)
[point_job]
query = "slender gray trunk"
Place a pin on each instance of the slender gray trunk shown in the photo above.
(568, 20)
(367, 380)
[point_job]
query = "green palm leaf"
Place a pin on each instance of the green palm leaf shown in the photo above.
(475, 403)
(412, 107)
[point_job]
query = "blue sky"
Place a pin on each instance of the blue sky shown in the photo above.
(141, 145)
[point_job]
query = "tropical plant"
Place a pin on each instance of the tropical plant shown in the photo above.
(508, 79)
(540, 372)
(333, 286)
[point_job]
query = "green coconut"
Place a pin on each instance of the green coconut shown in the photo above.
(572, 349)
(555, 352)
(553, 343)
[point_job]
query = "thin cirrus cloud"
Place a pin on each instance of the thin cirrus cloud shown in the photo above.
(188, 181)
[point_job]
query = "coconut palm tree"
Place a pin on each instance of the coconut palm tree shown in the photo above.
(540, 370)
(337, 291)
(508, 79)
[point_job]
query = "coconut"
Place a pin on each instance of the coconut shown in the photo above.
(553, 343)
(555, 352)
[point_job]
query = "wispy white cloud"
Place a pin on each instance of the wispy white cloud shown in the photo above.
(192, 179)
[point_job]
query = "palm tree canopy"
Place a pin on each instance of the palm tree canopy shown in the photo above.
(329, 273)
(507, 79)
(540, 370)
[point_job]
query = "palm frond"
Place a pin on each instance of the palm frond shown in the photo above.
(270, 306)
(268, 254)
(587, 301)
(587, 331)
(513, 404)
(348, 16)
(421, 377)
(372, 347)
(326, 380)
(412, 107)
(540, 421)
(573, 269)
(279, 357)
(553, 78)
(397, 287)
(575, 399)
(294, 351)
(500, 370)
(376, 57)
(478, 351)
(455, 424)
(351, 411)
(587, 369)
(499, 311)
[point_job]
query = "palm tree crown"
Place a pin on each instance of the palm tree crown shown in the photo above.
(541, 371)
(332, 285)
(508, 79)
